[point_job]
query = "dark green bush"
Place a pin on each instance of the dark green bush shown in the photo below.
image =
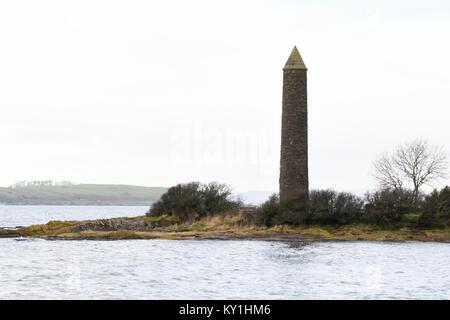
(331, 207)
(389, 205)
(325, 207)
(194, 200)
(436, 208)
(272, 213)
(268, 211)
(217, 198)
(338, 208)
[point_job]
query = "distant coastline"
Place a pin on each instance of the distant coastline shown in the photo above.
(81, 194)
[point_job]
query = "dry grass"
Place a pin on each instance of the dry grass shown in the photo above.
(50, 229)
(234, 226)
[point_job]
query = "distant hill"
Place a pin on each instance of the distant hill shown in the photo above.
(81, 194)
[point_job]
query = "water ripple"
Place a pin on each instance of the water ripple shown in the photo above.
(162, 269)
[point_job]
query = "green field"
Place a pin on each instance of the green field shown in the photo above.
(81, 194)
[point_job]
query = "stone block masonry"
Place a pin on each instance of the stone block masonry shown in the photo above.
(294, 184)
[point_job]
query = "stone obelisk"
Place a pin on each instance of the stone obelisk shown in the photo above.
(294, 188)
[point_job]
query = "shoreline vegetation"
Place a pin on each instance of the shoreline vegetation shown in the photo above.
(232, 226)
(208, 211)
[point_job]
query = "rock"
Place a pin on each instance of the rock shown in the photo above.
(121, 224)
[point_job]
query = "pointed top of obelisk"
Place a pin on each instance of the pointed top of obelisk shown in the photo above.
(295, 61)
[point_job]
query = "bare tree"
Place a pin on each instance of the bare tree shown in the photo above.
(413, 164)
(386, 174)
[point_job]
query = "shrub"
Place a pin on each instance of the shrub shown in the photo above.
(381, 207)
(389, 205)
(268, 211)
(436, 208)
(272, 213)
(325, 207)
(181, 200)
(217, 198)
(331, 207)
(194, 200)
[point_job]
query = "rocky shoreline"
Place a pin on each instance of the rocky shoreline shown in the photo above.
(217, 228)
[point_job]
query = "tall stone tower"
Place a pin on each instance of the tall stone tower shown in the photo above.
(294, 188)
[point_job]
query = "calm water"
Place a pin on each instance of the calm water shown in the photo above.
(13, 216)
(163, 269)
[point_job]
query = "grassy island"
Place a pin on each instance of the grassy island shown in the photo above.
(230, 226)
(197, 211)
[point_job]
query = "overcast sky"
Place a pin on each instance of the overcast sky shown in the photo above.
(159, 92)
